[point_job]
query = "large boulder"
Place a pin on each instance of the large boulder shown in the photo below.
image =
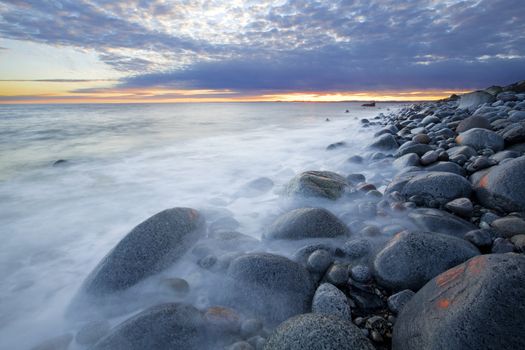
(438, 187)
(163, 327)
(148, 248)
(435, 220)
(269, 286)
(480, 139)
(474, 99)
(476, 305)
(306, 223)
(323, 184)
(503, 186)
(385, 142)
(315, 332)
(411, 259)
(473, 122)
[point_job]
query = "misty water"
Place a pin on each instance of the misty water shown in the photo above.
(128, 162)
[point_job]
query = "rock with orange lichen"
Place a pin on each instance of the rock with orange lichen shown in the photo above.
(502, 187)
(479, 304)
(411, 259)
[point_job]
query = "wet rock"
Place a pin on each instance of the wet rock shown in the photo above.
(221, 319)
(480, 238)
(60, 162)
(480, 139)
(474, 99)
(355, 178)
(466, 151)
(337, 274)
(514, 133)
(361, 273)
(324, 184)
(429, 157)
(148, 248)
(240, 345)
(435, 220)
(319, 261)
(328, 299)
(92, 332)
(396, 302)
(164, 326)
(503, 187)
(58, 343)
(508, 226)
(440, 187)
(256, 187)
(317, 331)
(467, 306)
(411, 259)
(385, 142)
(335, 145)
(357, 248)
(461, 206)
(517, 116)
(306, 223)
(519, 242)
(251, 327)
(301, 255)
(447, 167)
(421, 138)
(178, 285)
(225, 223)
(501, 246)
(269, 286)
(472, 123)
(412, 147)
(355, 159)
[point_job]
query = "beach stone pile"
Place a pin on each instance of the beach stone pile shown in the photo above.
(430, 257)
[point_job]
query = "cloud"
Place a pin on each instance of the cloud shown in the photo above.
(286, 45)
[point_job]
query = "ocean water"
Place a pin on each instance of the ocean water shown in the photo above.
(128, 162)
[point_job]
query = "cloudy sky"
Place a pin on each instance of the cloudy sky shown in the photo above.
(207, 50)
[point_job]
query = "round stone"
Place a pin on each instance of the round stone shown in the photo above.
(328, 299)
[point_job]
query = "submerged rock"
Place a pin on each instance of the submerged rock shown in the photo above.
(476, 305)
(269, 286)
(324, 184)
(315, 332)
(306, 223)
(148, 248)
(411, 259)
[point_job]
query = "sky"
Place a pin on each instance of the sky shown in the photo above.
(71, 51)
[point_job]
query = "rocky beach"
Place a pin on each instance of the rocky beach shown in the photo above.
(429, 257)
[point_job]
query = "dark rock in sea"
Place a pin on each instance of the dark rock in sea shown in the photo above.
(411, 259)
(335, 145)
(474, 99)
(165, 326)
(355, 159)
(324, 184)
(385, 142)
(268, 286)
(256, 187)
(503, 186)
(306, 223)
(329, 300)
(508, 226)
(480, 238)
(60, 162)
(355, 178)
(148, 248)
(435, 220)
(480, 139)
(57, 343)
(440, 187)
(225, 223)
(472, 123)
(476, 305)
(461, 206)
(92, 332)
(396, 302)
(315, 332)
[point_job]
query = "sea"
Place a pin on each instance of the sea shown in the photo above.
(123, 163)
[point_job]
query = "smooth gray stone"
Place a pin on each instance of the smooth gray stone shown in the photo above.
(396, 302)
(461, 206)
(385, 142)
(503, 187)
(268, 286)
(508, 226)
(474, 99)
(480, 139)
(473, 122)
(439, 187)
(329, 300)
(410, 159)
(476, 305)
(447, 167)
(306, 223)
(316, 332)
(411, 259)
(436, 220)
(412, 147)
(467, 151)
(323, 184)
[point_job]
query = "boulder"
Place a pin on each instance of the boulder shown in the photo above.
(315, 332)
(480, 139)
(476, 305)
(148, 248)
(411, 259)
(268, 286)
(385, 142)
(396, 302)
(473, 122)
(508, 226)
(328, 299)
(306, 223)
(435, 220)
(412, 147)
(514, 133)
(438, 187)
(323, 184)
(474, 99)
(503, 186)
(165, 326)
(447, 167)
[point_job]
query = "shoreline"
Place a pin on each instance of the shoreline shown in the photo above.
(403, 261)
